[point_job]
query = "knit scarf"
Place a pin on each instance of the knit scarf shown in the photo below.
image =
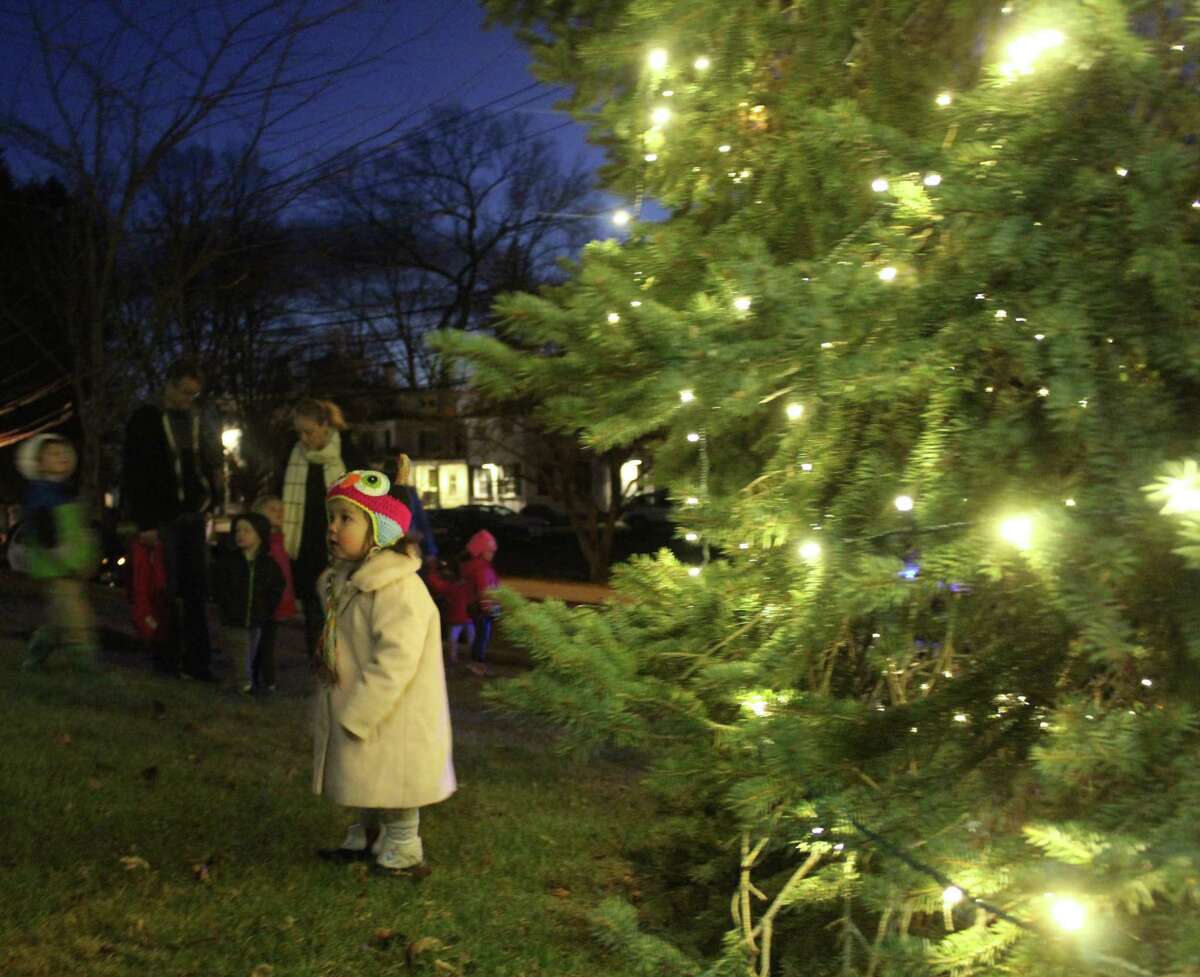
(335, 587)
(295, 483)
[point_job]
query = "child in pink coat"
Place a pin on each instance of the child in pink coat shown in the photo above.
(454, 594)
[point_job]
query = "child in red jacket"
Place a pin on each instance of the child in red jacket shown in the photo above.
(454, 595)
(271, 506)
(481, 578)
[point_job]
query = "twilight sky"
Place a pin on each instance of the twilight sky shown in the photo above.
(428, 52)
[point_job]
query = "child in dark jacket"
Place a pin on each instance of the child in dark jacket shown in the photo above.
(248, 586)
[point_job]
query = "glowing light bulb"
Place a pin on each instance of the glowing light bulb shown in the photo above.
(795, 411)
(960, 717)
(932, 179)
(724, 148)
(904, 503)
(667, 93)
(691, 500)
(810, 551)
(1147, 682)
(693, 437)
(806, 467)
(1182, 496)
(757, 705)
(1001, 313)
(1024, 52)
(944, 99)
(1017, 530)
(621, 217)
(651, 157)
(691, 537)
(660, 116)
(686, 396)
(952, 896)
(1043, 391)
(693, 571)
(1121, 171)
(1069, 503)
(818, 831)
(635, 304)
(887, 274)
(1196, 205)
(702, 63)
(1039, 336)
(657, 59)
(613, 318)
(743, 546)
(879, 185)
(742, 303)
(1067, 913)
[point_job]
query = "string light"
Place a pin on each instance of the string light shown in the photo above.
(944, 99)
(693, 437)
(810, 551)
(794, 411)
(1000, 313)
(724, 148)
(960, 717)
(702, 63)
(952, 896)
(686, 396)
(1067, 913)
(613, 318)
(661, 115)
(742, 303)
(668, 93)
(1043, 391)
(651, 157)
(1024, 52)
(879, 185)
(1039, 336)
(621, 217)
(887, 274)
(691, 500)
(691, 537)
(806, 467)
(1017, 530)
(904, 503)
(1121, 171)
(1069, 503)
(932, 179)
(743, 546)
(635, 304)
(693, 571)
(657, 59)
(1147, 682)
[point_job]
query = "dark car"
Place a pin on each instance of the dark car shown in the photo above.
(453, 527)
(650, 511)
(547, 514)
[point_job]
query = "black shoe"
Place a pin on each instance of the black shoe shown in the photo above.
(344, 856)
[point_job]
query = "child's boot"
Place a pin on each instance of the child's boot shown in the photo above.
(354, 846)
(399, 847)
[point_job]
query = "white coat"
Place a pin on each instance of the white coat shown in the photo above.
(382, 734)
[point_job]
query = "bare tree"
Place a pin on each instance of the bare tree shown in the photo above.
(123, 87)
(429, 234)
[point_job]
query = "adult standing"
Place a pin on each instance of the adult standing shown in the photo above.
(171, 479)
(323, 453)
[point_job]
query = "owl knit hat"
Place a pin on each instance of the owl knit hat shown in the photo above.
(370, 492)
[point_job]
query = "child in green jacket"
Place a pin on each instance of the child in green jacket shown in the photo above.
(60, 551)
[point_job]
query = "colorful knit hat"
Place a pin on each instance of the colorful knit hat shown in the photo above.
(369, 491)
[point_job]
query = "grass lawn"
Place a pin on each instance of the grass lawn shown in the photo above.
(167, 828)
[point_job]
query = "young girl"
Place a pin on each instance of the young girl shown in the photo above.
(481, 577)
(382, 722)
(455, 595)
(271, 506)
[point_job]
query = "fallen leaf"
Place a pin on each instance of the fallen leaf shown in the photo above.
(263, 970)
(63, 739)
(446, 968)
(134, 862)
(382, 938)
(561, 893)
(425, 944)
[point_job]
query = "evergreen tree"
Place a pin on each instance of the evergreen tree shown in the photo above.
(918, 346)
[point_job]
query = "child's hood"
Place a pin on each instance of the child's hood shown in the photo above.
(30, 451)
(261, 524)
(383, 568)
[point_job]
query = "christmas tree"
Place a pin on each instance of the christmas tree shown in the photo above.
(918, 352)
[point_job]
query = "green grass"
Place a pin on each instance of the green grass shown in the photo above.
(207, 801)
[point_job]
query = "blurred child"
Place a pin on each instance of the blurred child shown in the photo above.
(247, 586)
(481, 578)
(382, 722)
(271, 506)
(60, 551)
(454, 593)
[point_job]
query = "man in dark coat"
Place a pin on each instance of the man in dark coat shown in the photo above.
(171, 479)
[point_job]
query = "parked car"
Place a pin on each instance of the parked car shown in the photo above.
(453, 527)
(547, 514)
(650, 511)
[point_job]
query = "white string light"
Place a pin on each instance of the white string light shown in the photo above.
(879, 185)
(742, 303)
(887, 274)
(794, 411)
(657, 59)
(702, 63)
(944, 99)
(613, 318)
(686, 396)
(904, 503)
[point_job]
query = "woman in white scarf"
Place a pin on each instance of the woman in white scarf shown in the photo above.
(320, 456)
